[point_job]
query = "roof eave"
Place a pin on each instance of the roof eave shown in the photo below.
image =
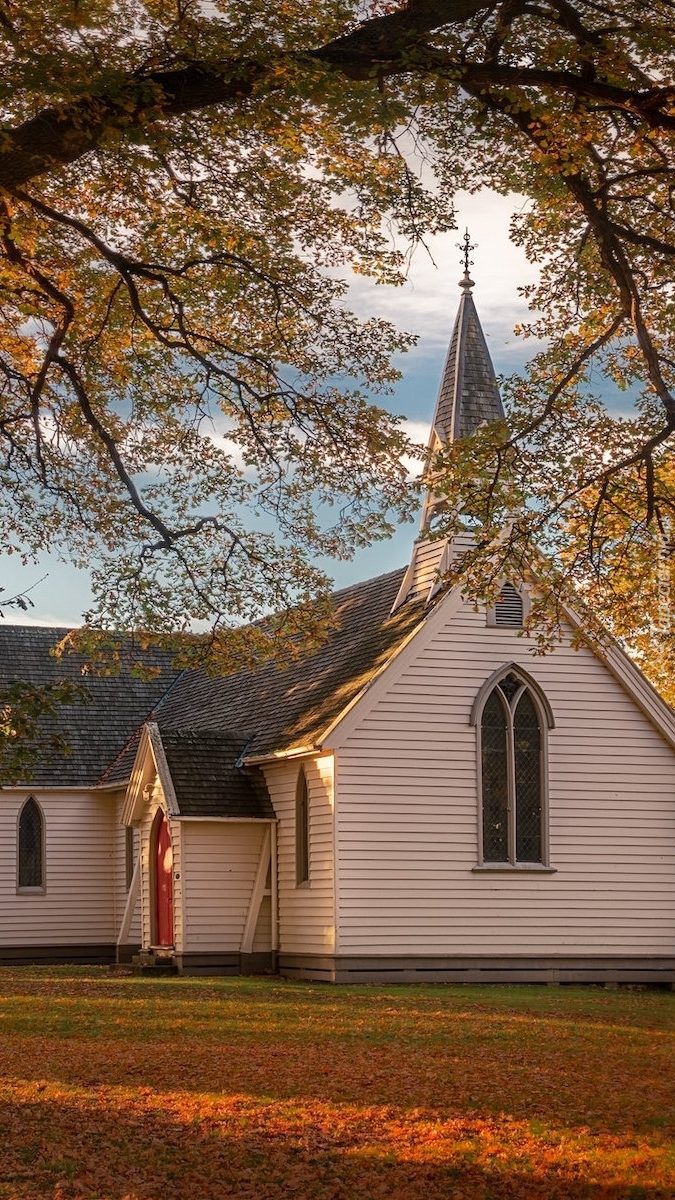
(256, 760)
(223, 817)
(633, 680)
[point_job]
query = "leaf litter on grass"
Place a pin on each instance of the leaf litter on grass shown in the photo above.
(248, 1088)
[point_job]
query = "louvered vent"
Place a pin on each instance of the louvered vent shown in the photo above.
(509, 607)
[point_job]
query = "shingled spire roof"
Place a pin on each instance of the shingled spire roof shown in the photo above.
(467, 398)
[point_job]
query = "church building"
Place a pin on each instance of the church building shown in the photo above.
(420, 799)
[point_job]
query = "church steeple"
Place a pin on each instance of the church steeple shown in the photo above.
(468, 397)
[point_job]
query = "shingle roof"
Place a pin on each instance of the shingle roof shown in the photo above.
(205, 777)
(95, 731)
(207, 725)
(274, 710)
(468, 395)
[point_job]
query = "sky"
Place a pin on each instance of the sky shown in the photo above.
(427, 306)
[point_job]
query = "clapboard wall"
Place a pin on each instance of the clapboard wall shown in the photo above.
(78, 906)
(407, 809)
(306, 911)
(219, 864)
(120, 892)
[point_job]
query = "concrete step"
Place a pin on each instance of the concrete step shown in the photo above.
(150, 963)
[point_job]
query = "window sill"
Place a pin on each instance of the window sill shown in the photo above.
(31, 891)
(514, 869)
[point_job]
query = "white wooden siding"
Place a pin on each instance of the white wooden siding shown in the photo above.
(77, 907)
(219, 864)
(407, 817)
(307, 911)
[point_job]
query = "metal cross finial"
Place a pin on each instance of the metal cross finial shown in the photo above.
(466, 246)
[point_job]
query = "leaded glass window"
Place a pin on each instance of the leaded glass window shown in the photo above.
(495, 776)
(527, 761)
(31, 865)
(301, 830)
(511, 775)
(129, 855)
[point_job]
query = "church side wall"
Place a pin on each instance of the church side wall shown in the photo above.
(219, 865)
(407, 811)
(307, 910)
(77, 907)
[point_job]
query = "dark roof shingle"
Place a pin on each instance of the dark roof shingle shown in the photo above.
(206, 779)
(95, 730)
(207, 724)
(276, 709)
(468, 395)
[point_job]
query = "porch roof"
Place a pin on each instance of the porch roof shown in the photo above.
(205, 777)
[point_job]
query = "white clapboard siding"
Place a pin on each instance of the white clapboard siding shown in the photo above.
(407, 816)
(219, 864)
(426, 562)
(77, 906)
(306, 912)
(156, 801)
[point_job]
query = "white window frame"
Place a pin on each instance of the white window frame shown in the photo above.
(546, 723)
(41, 888)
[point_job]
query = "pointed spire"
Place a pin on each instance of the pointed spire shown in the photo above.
(468, 398)
(468, 395)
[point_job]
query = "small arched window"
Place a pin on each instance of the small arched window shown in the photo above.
(31, 846)
(512, 717)
(301, 830)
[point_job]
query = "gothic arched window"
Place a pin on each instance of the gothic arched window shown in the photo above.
(31, 872)
(512, 716)
(301, 830)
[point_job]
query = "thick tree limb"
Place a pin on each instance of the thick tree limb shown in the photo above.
(383, 47)
(57, 137)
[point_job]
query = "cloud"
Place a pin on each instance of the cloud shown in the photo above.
(427, 303)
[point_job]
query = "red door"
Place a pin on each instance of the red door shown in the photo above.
(164, 884)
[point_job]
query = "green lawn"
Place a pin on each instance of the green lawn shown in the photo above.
(118, 1087)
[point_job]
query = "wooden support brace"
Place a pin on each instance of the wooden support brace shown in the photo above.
(257, 894)
(132, 897)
